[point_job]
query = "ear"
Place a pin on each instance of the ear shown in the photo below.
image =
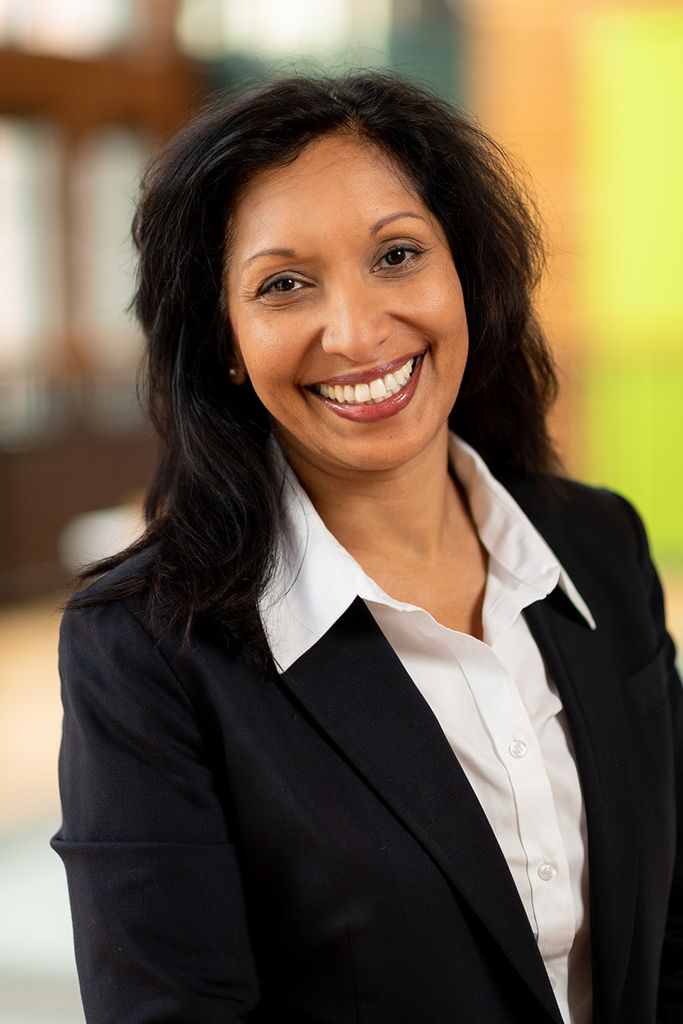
(236, 369)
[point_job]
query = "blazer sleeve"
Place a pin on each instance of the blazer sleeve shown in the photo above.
(158, 910)
(670, 1000)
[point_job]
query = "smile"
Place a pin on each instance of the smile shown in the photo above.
(372, 400)
(375, 391)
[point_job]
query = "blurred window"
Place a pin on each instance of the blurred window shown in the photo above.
(103, 185)
(272, 29)
(29, 240)
(103, 191)
(67, 266)
(70, 28)
(31, 313)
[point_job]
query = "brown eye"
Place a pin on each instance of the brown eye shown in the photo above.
(399, 256)
(279, 285)
(396, 256)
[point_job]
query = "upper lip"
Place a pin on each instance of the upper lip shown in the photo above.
(365, 376)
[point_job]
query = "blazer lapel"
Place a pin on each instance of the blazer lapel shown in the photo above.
(589, 693)
(355, 687)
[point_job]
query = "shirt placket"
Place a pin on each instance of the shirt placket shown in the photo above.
(516, 746)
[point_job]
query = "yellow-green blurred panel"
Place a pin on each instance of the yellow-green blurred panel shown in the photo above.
(632, 156)
(633, 422)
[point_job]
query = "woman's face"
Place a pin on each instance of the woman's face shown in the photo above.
(346, 308)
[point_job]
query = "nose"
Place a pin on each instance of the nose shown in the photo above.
(357, 322)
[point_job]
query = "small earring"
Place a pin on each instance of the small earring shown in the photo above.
(237, 374)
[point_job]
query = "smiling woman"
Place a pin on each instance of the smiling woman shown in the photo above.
(348, 732)
(365, 289)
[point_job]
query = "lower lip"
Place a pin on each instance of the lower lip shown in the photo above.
(371, 412)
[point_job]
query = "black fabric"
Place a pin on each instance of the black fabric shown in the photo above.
(307, 848)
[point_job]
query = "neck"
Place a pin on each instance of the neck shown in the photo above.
(407, 511)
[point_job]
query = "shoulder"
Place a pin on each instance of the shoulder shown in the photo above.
(599, 538)
(136, 568)
(125, 616)
(118, 603)
(577, 515)
(111, 616)
(595, 533)
(123, 665)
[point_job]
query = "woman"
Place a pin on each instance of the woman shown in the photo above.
(378, 722)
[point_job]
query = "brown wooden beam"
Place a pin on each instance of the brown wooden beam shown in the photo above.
(155, 95)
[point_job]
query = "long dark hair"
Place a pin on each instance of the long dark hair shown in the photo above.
(212, 507)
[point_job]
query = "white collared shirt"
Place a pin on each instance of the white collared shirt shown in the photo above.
(493, 699)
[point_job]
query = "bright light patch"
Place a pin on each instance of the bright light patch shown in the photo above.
(70, 28)
(632, 209)
(30, 242)
(275, 29)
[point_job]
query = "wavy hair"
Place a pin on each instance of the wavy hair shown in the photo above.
(212, 507)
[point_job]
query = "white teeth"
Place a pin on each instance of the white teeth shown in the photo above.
(377, 389)
(373, 391)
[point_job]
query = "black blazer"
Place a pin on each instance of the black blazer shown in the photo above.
(306, 847)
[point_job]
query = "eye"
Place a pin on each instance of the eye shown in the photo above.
(280, 285)
(399, 256)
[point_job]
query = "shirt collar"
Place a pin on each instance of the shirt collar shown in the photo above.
(316, 579)
(517, 551)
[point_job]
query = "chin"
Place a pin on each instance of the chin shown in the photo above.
(376, 456)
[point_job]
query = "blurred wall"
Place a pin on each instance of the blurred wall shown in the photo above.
(589, 95)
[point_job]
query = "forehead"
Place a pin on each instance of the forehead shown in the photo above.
(336, 179)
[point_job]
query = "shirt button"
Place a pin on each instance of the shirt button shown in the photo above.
(546, 871)
(518, 748)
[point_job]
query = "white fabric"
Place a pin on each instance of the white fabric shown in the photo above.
(499, 711)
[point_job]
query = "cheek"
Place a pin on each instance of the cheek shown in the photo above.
(458, 316)
(449, 320)
(272, 364)
(439, 298)
(264, 352)
(454, 315)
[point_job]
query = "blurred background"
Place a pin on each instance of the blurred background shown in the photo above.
(586, 93)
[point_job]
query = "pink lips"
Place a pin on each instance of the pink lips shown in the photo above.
(371, 412)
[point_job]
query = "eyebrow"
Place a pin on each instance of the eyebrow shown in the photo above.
(291, 254)
(394, 216)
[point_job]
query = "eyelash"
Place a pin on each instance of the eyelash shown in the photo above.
(268, 287)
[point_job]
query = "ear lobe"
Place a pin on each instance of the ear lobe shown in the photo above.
(237, 374)
(236, 369)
